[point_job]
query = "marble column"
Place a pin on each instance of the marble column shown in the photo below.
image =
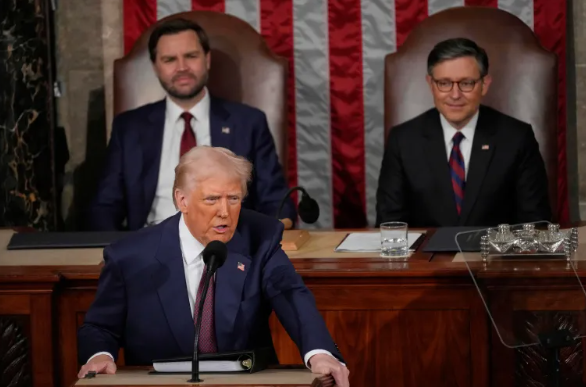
(26, 114)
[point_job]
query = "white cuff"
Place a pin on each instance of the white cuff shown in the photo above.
(309, 354)
(99, 353)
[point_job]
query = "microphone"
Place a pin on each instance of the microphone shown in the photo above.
(214, 255)
(308, 208)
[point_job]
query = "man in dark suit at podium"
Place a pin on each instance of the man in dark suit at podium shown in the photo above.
(146, 142)
(461, 163)
(148, 289)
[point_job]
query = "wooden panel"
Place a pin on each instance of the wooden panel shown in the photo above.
(42, 340)
(15, 367)
(384, 297)
(520, 316)
(532, 362)
(14, 304)
(409, 347)
(71, 304)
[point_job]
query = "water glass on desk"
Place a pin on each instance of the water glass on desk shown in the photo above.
(393, 240)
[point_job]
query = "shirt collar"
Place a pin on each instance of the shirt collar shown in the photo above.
(190, 246)
(467, 131)
(200, 111)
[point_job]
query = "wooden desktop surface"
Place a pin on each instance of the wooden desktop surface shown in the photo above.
(127, 378)
(404, 323)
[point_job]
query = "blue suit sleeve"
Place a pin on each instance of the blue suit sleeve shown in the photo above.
(270, 183)
(103, 327)
(294, 304)
(107, 211)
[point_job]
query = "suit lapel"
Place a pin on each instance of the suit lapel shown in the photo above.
(437, 159)
(229, 287)
(482, 151)
(151, 143)
(221, 132)
(169, 280)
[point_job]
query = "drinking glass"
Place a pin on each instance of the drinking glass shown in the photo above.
(393, 240)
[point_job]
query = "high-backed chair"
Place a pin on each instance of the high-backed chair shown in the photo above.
(243, 69)
(524, 74)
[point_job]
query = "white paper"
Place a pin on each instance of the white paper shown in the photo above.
(204, 366)
(368, 242)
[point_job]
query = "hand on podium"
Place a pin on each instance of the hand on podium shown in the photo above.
(288, 223)
(101, 364)
(328, 365)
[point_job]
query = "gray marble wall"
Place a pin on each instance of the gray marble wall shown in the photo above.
(27, 185)
(89, 38)
(579, 43)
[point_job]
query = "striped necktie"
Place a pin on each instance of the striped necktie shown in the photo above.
(458, 171)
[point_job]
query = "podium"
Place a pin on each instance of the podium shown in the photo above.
(269, 377)
(512, 251)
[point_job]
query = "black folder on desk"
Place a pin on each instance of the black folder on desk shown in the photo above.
(444, 240)
(64, 240)
(237, 361)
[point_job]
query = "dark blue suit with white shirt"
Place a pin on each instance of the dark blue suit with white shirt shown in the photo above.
(126, 190)
(142, 299)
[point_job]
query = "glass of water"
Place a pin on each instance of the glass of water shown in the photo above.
(393, 240)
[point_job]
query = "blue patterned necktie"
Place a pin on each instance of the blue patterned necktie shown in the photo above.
(458, 171)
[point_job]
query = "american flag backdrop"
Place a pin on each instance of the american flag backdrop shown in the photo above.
(336, 51)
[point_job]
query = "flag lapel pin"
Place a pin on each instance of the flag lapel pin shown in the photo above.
(225, 130)
(485, 147)
(240, 266)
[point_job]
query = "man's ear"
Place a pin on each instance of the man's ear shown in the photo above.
(180, 200)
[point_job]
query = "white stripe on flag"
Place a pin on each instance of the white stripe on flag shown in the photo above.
(247, 10)
(523, 9)
(312, 103)
(378, 40)
(435, 6)
(169, 7)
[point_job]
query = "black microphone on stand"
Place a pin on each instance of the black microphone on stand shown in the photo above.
(214, 256)
(308, 208)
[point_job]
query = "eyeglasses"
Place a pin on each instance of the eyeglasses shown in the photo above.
(466, 85)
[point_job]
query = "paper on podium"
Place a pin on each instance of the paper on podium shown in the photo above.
(204, 366)
(365, 242)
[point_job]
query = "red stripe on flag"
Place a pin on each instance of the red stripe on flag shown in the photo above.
(347, 113)
(138, 16)
(482, 3)
(208, 5)
(408, 13)
(550, 26)
(276, 25)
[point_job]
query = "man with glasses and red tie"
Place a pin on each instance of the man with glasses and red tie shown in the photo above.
(147, 142)
(461, 163)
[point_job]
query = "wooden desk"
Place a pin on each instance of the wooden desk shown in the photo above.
(274, 378)
(405, 323)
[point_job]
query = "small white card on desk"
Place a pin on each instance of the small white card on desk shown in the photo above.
(368, 242)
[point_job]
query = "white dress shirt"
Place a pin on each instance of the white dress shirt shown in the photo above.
(193, 265)
(465, 144)
(163, 206)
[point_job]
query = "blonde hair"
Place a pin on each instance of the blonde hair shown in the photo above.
(205, 161)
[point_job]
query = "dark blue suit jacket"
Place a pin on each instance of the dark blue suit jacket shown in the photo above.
(128, 185)
(142, 301)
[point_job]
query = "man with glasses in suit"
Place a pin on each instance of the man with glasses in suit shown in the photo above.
(461, 163)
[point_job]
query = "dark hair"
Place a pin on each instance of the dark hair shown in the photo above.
(174, 26)
(457, 48)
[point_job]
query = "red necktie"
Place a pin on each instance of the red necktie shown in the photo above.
(207, 333)
(188, 138)
(457, 170)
